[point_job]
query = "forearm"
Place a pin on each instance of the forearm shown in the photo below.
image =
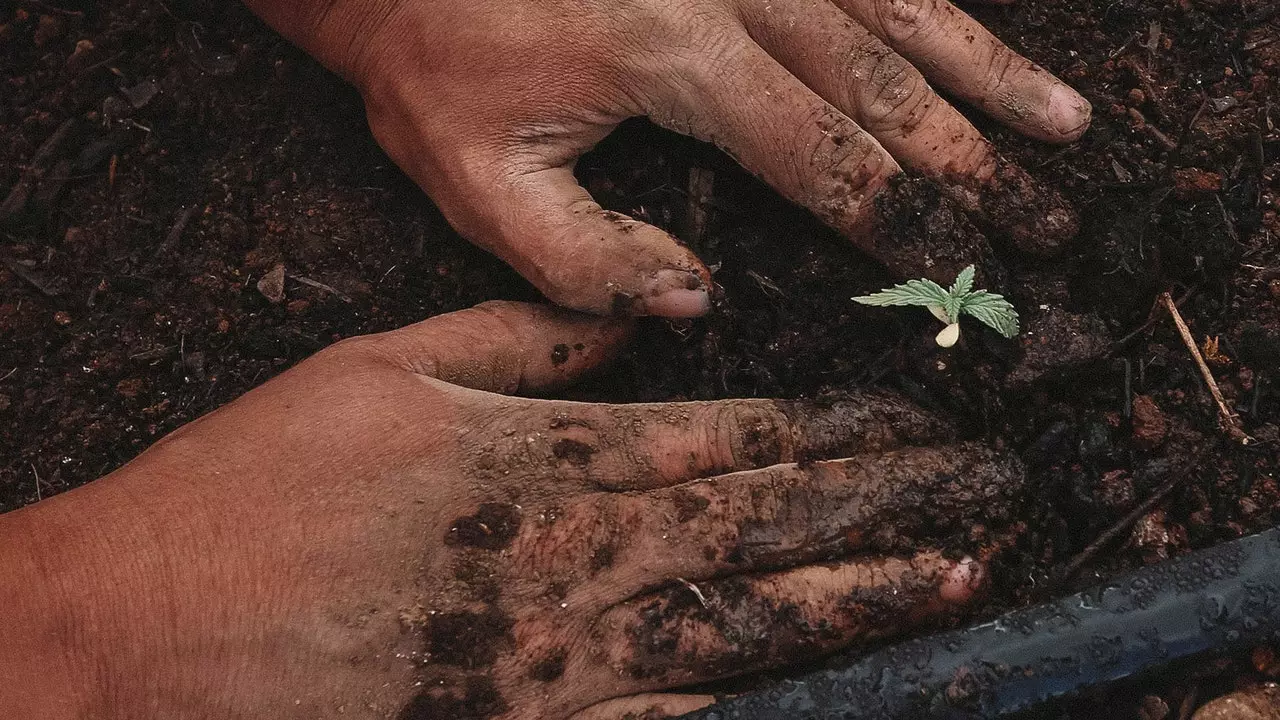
(86, 612)
(37, 632)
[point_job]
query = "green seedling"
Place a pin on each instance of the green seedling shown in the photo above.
(948, 305)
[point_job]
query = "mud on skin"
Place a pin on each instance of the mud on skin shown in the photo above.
(478, 662)
(927, 228)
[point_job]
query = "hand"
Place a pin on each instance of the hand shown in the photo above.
(376, 533)
(488, 104)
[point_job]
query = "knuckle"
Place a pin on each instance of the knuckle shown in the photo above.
(1002, 64)
(895, 95)
(754, 434)
(904, 20)
(583, 538)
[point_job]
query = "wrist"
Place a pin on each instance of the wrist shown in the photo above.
(341, 34)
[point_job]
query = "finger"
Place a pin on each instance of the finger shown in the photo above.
(701, 632)
(770, 519)
(817, 156)
(506, 347)
(643, 446)
(751, 106)
(888, 97)
(962, 56)
(789, 514)
(873, 85)
(650, 706)
(517, 198)
(550, 230)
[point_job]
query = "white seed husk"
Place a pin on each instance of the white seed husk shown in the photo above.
(949, 335)
(939, 313)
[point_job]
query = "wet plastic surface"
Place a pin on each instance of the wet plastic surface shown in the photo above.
(1215, 600)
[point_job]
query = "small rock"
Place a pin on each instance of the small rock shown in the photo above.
(272, 284)
(1189, 183)
(1153, 708)
(1223, 104)
(1149, 425)
(194, 364)
(1154, 537)
(1115, 491)
(1259, 703)
(62, 317)
(4, 402)
(297, 307)
(74, 236)
(82, 57)
(142, 93)
(1265, 661)
(1137, 97)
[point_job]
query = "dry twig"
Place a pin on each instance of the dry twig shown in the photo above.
(1102, 541)
(36, 168)
(1228, 420)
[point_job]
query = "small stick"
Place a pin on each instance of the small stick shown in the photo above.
(1227, 419)
(30, 277)
(694, 589)
(321, 286)
(175, 232)
(1111, 533)
(21, 192)
(1151, 320)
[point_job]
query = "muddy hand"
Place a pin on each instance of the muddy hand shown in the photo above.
(488, 104)
(377, 533)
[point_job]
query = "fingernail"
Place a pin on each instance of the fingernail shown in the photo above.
(677, 294)
(1069, 112)
(962, 580)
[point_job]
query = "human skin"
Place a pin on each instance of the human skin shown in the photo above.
(487, 104)
(380, 532)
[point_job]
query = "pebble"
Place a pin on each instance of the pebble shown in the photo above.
(272, 284)
(1149, 425)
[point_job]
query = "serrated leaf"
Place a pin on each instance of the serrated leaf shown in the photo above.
(912, 292)
(952, 308)
(992, 310)
(964, 282)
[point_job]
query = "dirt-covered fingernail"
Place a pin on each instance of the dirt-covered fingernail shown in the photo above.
(1068, 112)
(677, 294)
(962, 581)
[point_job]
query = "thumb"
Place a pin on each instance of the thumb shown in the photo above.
(506, 347)
(546, 226)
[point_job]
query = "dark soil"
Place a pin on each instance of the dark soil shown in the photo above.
(194, 152)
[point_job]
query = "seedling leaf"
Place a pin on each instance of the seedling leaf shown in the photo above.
(948, 305)
(964, 282)
(912, 292)
(992, 310)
